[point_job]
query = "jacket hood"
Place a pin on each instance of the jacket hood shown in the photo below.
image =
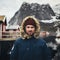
(37, 31)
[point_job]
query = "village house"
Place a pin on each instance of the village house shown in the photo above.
(8, 31)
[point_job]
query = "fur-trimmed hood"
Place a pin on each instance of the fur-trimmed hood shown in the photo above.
(37, 32)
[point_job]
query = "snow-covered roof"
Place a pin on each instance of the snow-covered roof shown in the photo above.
(12, 27)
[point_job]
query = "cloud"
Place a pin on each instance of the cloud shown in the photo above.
(8, 8)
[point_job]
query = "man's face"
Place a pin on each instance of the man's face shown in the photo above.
(30, 29)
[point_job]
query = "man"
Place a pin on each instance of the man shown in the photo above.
(29, 46)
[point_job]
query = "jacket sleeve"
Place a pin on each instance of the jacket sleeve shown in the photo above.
(14, 52)
(46, 52)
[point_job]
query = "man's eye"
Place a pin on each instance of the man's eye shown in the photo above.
(32, 27)
(27, 27)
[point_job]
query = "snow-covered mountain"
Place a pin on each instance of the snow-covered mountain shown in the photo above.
(41, 12)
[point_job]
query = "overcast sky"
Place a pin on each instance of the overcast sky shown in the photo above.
(9, 7)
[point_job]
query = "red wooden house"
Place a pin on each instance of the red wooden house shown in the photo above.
(3, 24)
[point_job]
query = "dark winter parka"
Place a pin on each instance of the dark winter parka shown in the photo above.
(30, 47)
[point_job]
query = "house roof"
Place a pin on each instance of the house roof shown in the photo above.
(11, 27)
(2, 18)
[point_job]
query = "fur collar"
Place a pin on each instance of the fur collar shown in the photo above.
(37, 32)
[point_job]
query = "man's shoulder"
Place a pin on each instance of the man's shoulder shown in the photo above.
(19, 40)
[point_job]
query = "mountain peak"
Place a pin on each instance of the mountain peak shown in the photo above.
(41, 12)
